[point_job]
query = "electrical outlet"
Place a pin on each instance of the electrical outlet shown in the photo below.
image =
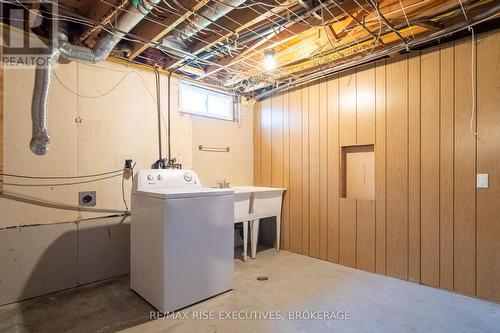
(87, 199)
(482, 180)
(128, 164)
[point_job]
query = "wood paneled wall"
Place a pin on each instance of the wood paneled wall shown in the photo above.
(1, 122)
(428, 224)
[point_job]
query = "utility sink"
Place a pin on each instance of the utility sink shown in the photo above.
(241, 204)
(264, 201)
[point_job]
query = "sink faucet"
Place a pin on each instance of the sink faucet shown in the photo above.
(223, 184)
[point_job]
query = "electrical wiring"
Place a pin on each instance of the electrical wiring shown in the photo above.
(123, 195)
(123, 187)
(304, 22)
(6, 194)
(375, 43)
(257, 3)
(64, 184)
(118, 71)
(62, 177)
(202, 61)
(220, 48)
(279, 15)
(206, 18)
(269, 37)
(375, 6)
(169, 5)
(406, 18)
(69, 18)
(122, 34)
(377, 39)
(73, 19)
(88, 96)
(121, 71)
(256, 33)
(362, 7)
(110, 90)
(473, 83)
(463, 9)
(331, 42)
(83, 21)
(348, 32)
(473, 129)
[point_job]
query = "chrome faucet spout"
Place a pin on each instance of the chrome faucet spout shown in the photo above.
(223, 184)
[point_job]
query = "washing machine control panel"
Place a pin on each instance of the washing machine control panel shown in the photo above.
(167, 178)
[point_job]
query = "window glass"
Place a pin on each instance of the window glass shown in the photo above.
(220, 106)
(205, 102)
(192, 101)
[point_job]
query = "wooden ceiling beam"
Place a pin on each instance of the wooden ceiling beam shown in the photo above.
(155, 32)
(256, 47)
(97, 9)
(76, 6)
(292, 31)
(244, 18)
(236, 21)
(111, 13)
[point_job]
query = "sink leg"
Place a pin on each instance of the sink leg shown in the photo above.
(254, 237)
(245, 240)
(278, 232)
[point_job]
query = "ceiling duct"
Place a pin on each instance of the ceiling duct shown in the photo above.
(202, 19)
(310, 4)
(126, 22)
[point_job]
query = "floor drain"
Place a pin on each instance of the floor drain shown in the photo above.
(262, 278)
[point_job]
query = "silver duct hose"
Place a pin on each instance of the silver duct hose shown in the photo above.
(40, 138)
(39, 112)
(203, 18)
(103, 47)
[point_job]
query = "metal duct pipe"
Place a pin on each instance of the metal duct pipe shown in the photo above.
(103, 47)
(203, 18)
(40, 138)
(126, 22)
(481, 17)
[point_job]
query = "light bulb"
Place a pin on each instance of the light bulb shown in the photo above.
(269, 59)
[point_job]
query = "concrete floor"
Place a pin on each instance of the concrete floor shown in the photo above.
(372, 302)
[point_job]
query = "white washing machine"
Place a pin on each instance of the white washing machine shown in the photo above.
(181, 239)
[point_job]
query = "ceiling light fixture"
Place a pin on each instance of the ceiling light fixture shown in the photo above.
(269, 59)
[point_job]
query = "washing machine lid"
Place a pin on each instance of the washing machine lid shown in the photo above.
(175, 193)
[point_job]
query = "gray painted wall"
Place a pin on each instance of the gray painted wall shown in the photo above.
(40, 259)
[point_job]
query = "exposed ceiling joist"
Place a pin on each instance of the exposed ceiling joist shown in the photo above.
(155, 31)
(237, 21)
(290, 30)
(225, 40)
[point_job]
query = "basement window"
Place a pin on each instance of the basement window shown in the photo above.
(200, 101)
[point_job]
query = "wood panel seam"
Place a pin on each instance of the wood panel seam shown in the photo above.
(407, 60)
(385, 166)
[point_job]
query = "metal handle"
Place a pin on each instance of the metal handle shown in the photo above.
(214, 149)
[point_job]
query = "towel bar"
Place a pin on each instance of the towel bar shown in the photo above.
(214, 149)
